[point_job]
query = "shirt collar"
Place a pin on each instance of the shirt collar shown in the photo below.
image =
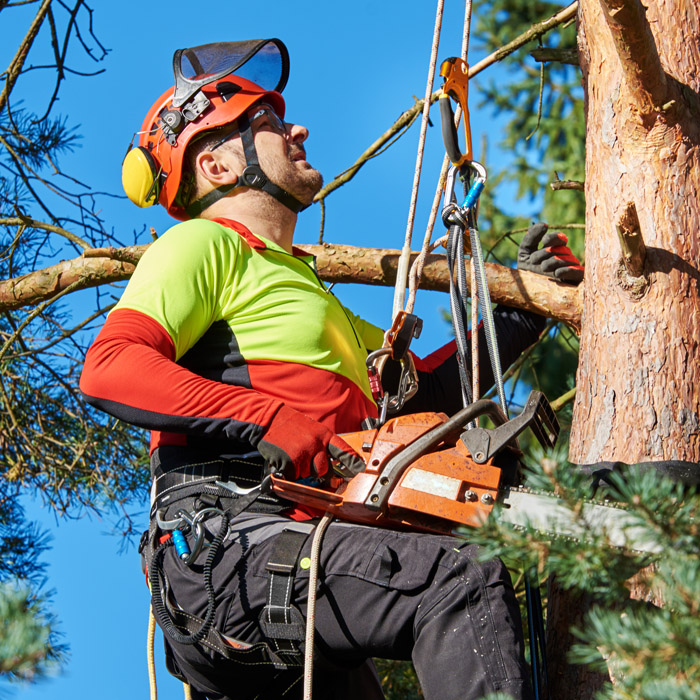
(255, 242)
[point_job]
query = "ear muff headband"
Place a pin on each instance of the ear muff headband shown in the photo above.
(141, 177)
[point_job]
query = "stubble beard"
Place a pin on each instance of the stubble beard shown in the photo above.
(296, 177)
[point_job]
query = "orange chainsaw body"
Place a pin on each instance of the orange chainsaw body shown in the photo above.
(438, 491)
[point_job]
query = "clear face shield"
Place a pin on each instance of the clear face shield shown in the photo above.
(264, 62)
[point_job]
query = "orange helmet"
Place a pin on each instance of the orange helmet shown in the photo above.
(215, 85)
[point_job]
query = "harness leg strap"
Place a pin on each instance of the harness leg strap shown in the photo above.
(282, 623)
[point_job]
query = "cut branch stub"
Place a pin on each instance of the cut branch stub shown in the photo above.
(567, 185)
(631, 272)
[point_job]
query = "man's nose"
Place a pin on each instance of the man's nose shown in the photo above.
(297, 133)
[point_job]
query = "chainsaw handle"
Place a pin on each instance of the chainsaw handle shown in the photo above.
(396, 466)
(484, 443)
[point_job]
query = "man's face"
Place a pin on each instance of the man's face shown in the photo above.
(281, 153)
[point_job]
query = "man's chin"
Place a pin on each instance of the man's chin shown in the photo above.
(313, 182)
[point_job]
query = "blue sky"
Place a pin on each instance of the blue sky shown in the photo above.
(354, 68)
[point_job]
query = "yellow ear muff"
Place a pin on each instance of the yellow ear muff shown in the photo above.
(140, 177)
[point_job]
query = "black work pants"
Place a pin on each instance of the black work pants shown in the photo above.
(382, 593)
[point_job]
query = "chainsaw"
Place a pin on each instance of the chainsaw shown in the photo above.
(428, 472)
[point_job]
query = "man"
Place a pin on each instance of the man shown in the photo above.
(247, 365)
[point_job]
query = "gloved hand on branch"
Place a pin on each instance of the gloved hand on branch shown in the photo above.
(553, 259)
(296, 447)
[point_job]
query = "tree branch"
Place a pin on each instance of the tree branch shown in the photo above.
(336, 263)
(556, 55)
(33, 223)
(15, 67)
(637, 52)
(567, 185)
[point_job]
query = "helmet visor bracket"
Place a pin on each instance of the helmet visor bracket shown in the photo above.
(264, 62)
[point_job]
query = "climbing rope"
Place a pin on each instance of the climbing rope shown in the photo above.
(311, 605)
(149, 654)
(404, 259)
(427, 248)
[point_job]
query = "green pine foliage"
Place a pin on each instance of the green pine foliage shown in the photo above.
(28, 649)
(651, 652)
(30, 645)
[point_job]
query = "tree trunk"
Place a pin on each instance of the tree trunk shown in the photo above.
(638, 388)
(565, 610)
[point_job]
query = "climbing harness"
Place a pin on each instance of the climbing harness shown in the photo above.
(188, 534)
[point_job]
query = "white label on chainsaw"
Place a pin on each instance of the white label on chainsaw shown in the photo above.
(430, 482)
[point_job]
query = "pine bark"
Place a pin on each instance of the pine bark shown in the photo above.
(638, 394)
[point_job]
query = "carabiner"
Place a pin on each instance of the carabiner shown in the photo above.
(477, 186)
(456, 86)
(450, 196)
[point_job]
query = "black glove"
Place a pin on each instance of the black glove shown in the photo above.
(554, 259)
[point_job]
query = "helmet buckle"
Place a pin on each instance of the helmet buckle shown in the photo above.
(253, 176)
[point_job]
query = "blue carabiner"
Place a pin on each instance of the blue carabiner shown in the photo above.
(476, 188)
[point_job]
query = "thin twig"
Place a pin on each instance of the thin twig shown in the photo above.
(31, 316)
(33, 223)
(20, 57)
(65, 334)
(564, 399)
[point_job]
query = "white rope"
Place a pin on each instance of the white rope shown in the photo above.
(311, 605)
(149, 654)
(417, 267)
(404, 259)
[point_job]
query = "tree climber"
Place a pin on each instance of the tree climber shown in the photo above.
(230, 349)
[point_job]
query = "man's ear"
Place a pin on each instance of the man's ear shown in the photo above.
(216, 168)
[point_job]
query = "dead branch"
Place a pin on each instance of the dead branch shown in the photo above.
(556, 55)
(336, 263)
(567, 185)
(636, 49)
(33, 223)
(535, 31)
(15, 67)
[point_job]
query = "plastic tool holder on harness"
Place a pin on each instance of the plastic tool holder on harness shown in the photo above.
(404, 329)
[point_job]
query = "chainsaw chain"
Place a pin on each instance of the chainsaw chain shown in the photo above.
(606, 503)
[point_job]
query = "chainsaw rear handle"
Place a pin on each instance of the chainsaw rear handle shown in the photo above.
(484, 443)
(396, 466)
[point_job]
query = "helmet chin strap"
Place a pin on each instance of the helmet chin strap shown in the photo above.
(252, 176)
